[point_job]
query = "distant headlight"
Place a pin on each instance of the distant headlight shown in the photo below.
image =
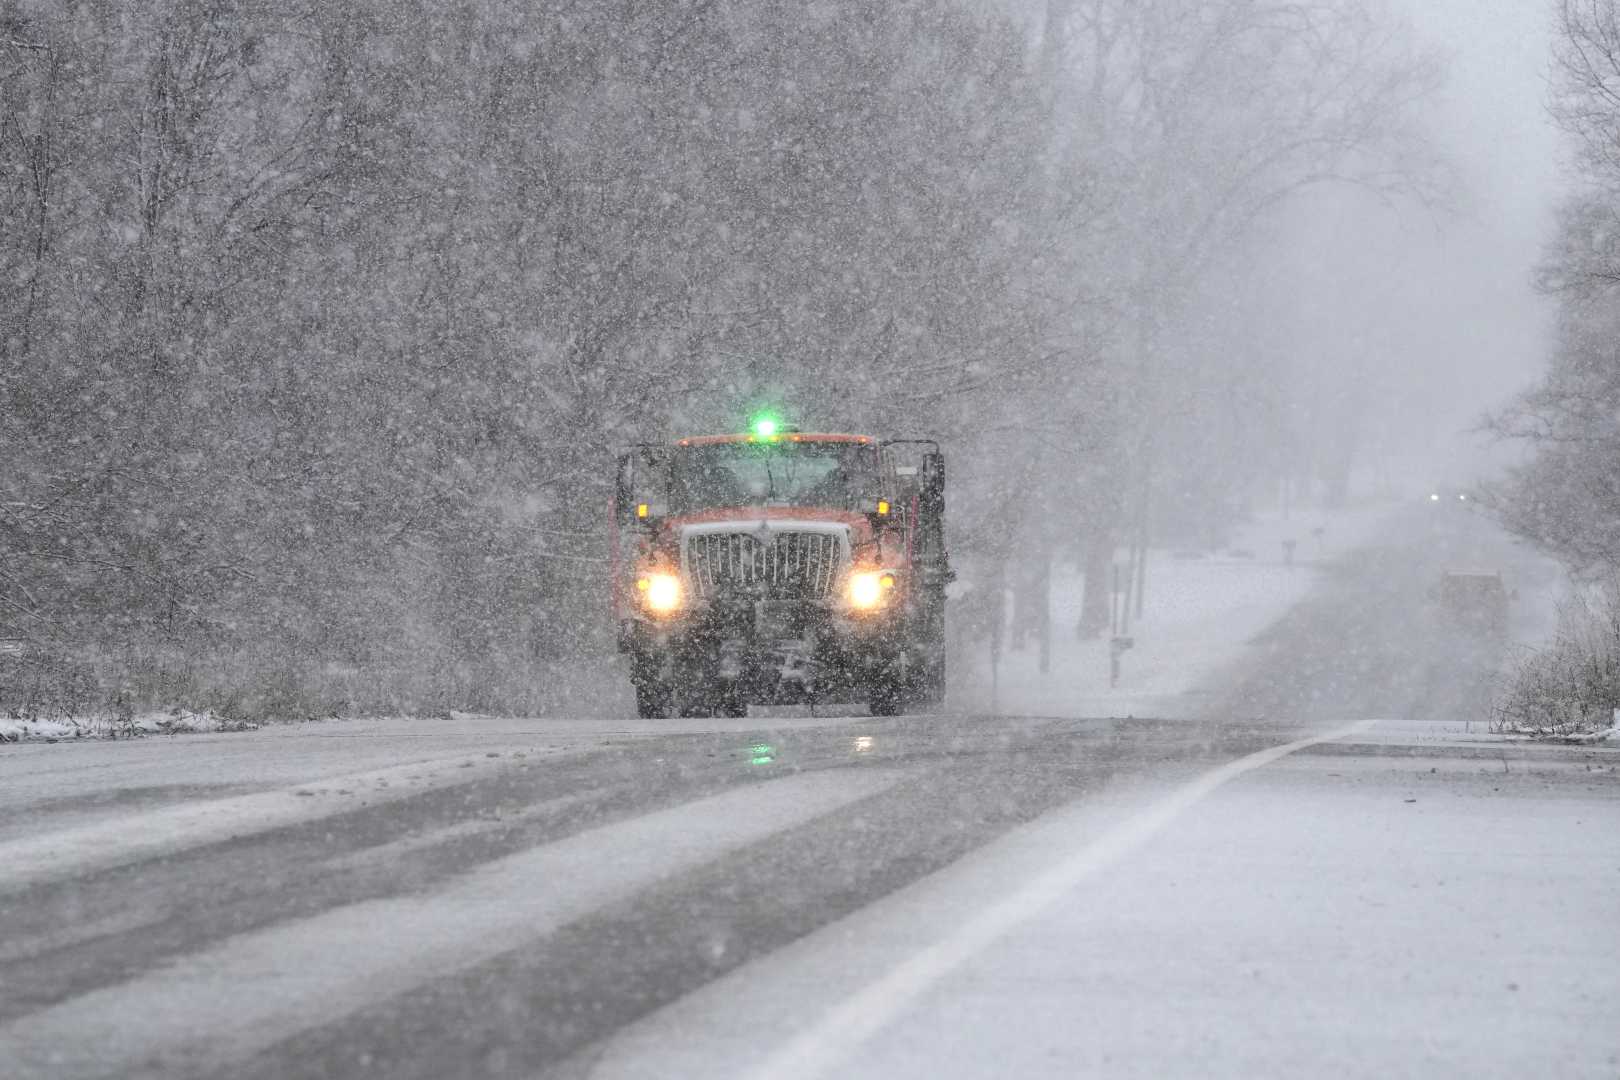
(869, 589)
(661, 593)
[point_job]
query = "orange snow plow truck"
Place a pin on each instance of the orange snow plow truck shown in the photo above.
(781, 567)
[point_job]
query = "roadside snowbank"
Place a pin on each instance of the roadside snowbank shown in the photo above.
(1579, 738)
(1567, 689)
(174, 722)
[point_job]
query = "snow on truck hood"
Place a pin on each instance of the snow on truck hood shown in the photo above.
(781, 518)
(766, 525)
(851, 527)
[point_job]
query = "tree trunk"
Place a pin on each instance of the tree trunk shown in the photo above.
(1041, 595)
(1099, 557)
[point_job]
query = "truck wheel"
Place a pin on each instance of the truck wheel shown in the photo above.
(652, 700)
(933, 683)
(696, 701)
(886, 698)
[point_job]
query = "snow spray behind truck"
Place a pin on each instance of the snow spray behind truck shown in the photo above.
(781, 567)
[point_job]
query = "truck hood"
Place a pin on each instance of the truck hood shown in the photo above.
(770, 518)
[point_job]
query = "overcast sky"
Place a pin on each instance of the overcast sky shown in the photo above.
(1467, 299)
(1431, 317)
(1435, 310)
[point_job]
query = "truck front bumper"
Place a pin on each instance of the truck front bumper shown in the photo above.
(767, 652)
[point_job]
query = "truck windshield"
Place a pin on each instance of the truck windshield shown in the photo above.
(730, 475)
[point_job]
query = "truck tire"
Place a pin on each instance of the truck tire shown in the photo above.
(696, 707)
(931, 684)
(653, 700)
(887, 698)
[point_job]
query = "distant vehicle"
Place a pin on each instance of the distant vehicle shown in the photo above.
(1474, 599)
(1452, 497)
(780, 566)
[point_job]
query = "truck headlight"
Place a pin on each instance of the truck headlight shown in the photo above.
(869, 589)
(661, 593)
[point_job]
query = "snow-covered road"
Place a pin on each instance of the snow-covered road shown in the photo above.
(1322, 865)
(1336, 912)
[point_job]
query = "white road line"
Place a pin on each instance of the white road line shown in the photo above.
(131, 837)
(840, 1031)
(225, 1003)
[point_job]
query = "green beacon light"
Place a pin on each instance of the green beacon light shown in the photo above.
(764, 426)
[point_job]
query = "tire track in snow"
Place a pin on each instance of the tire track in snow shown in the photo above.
(55, 855)
(137, 916)
(531, 1010)
(839, 1032)
(251, 991)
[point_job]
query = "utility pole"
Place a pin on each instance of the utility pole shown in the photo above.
(1043, 613)
(997, 604)
(1141, 563)
(1119, 622)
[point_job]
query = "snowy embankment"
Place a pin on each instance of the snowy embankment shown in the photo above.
(174, 722)
(1199, 614)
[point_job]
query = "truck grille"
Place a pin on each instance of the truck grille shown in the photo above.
(786, 565)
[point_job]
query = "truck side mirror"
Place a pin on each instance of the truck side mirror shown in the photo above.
(640, 493)
(933, 483)
(624, 510)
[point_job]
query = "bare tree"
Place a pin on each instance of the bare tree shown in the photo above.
(1186, 125)
(1565, 497)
